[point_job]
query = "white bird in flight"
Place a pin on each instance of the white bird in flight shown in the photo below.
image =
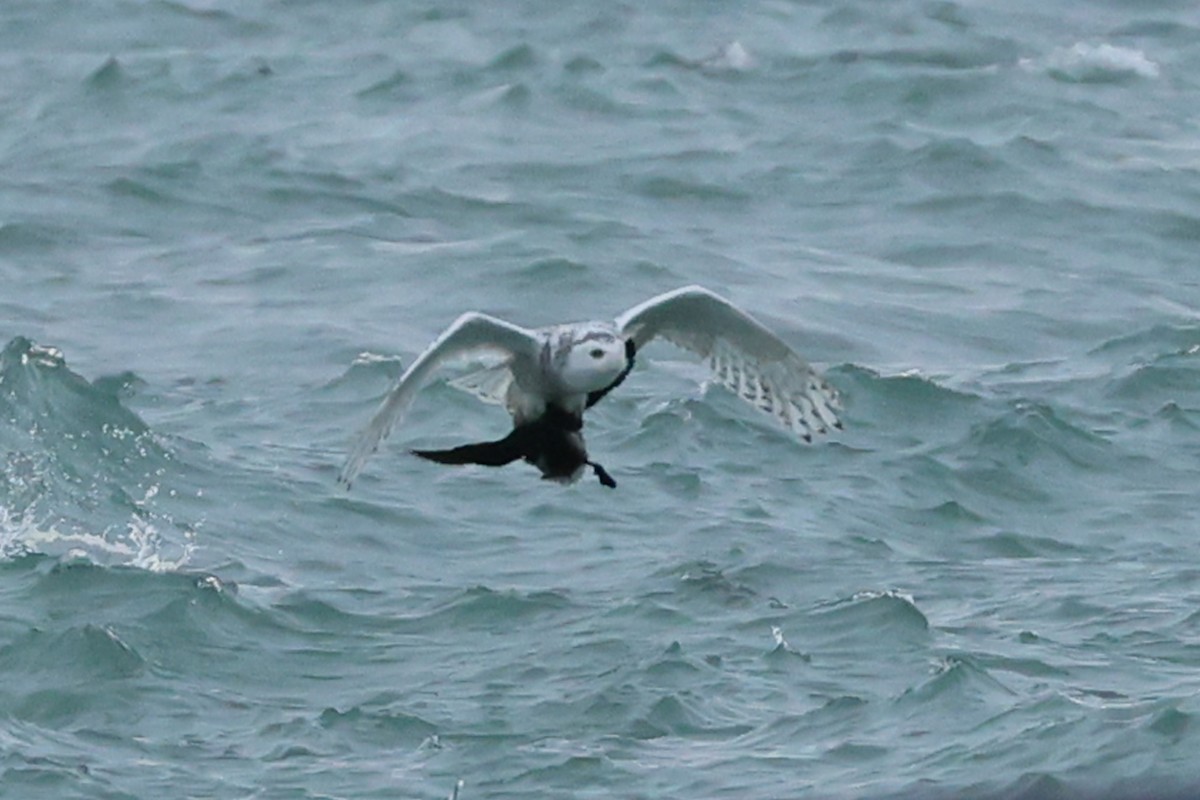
(547, 377)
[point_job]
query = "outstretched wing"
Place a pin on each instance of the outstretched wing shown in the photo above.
(745, 356)
(490, 384)
(471, 335)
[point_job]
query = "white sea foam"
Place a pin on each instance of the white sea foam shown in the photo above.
(366, 358)
(149, 543)
(732, 56)
(19, 534)
(13, 531)
(777, 634)
(141, 545)
(1094, 63)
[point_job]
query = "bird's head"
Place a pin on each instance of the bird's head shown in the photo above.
(589, 359)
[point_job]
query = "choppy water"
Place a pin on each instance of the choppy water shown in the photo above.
(224, 228)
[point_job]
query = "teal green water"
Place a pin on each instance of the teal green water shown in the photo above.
(226, 227)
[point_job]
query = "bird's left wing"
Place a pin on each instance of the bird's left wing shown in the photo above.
(745, 357)
(471, 335)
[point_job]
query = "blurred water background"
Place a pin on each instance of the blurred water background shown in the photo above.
(225, 227)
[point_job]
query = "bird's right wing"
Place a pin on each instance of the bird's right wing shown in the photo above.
(471, 335)
(744, 355)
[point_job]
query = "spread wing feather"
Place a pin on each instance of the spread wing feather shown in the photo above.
(490, 384)
(471, 335)
(745, 357)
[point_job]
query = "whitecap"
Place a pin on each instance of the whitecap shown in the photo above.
(733, 57)
(783, 648)
(1094, 63)
(14, 530)
(874, 594)
(150, 548)
(142, 545)
(366, 358)
(777, 634)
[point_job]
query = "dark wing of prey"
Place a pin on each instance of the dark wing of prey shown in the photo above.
(489, 454)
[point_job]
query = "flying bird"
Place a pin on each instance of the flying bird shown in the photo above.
(548, 377)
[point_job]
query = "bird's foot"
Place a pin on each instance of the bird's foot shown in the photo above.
(602, 475)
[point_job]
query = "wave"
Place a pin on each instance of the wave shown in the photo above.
(959, 680)
(704, 580)
(667, 694)
(871, 614)
(81, 473)
(915, 407)
(680, 715)
(108, 75)
(22, 237)
(484, 608)
(1161, 365)
(1021, 451)
(517, 58)
(1029, 432)
(398, 85)
(1009, 544)
(979, 55)
(562, 273)
(689, 189)
(369, 372)
(1094, 63)
(383, 724)
(730, 58)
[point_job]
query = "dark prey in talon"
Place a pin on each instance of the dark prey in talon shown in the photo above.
(548, 377)
(552, 443)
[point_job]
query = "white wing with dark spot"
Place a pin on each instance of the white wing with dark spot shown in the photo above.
(470, 336)
(745, 357)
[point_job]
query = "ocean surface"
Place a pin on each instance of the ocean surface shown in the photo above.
(226, 227)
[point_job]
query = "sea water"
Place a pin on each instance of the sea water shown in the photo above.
(227, 227)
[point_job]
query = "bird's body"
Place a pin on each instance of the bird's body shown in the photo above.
(547, 378)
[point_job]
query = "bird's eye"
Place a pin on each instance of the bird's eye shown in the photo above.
(597, 353)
